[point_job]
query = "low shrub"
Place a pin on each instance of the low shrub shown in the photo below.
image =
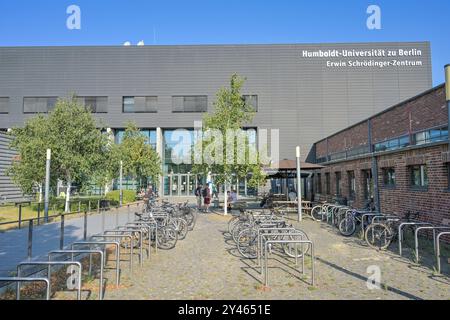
(128, 196)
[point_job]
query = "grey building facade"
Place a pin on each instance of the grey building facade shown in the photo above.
(306, 91)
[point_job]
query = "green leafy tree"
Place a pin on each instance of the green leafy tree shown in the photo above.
(28, 169)
(140, 160)
(231, 114)
(78, 146)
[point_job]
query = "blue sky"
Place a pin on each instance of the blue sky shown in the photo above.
(111, 22)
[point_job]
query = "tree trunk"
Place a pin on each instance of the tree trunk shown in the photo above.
(40, 192)
(225, 202)
(67, 208)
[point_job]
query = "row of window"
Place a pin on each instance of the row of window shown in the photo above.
(419, 138)
(140, 104)
(418, 180)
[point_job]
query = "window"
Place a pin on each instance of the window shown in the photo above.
(39, 104)
(430, 136)
(4, 105)
(327, 183)
(393, 144)
(351, 184)
(150, 136)
(190, 104)
(140, 104)
(95, 104)
(251, 100)
(368, 184)
(448, 175)
(338, 183)
(319, 183)
(419, 176)
(389, 177)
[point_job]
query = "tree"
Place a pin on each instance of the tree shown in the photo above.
(224, 147)
(78, 146)
(140, 160)
(28, 170)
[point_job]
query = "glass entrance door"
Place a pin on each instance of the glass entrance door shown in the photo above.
(183, 185)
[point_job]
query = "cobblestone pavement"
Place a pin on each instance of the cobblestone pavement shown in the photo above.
(206, 265)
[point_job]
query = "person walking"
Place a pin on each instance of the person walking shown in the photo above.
(206, 197)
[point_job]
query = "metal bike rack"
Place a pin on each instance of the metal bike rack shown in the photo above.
(438, 250)
(90, 252)
(150, 228)
(117, 236)
(416, 238)
(276, 232)
(20, 279)
(266, 262)
(104, 243)
(130, 231)
(50, 264)
(153, 226)
(363, 219)
(400, 233)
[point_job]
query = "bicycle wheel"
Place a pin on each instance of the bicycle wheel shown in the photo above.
(191, 219)
(290, 248)
(317, 213)
(378, 236)
(232, 223)
(347, 226)
(247, 243)
(167, 238)
(181, 226)
(237, 229)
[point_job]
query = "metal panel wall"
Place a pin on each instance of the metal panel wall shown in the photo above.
(303, 97)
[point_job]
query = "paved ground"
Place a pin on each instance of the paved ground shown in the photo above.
(207, 266)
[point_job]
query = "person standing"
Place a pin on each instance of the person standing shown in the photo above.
(198, 194)
(207, 197)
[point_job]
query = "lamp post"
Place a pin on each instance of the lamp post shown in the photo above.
(299, 186)
(447, 89)
(47, 184)
(120, 184)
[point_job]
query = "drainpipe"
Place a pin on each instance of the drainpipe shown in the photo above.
(447, 91)
(376, 191)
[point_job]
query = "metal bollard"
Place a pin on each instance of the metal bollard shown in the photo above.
(85, 225)
(61, 239)
(20, 216)
(30, 239)
(39, 213)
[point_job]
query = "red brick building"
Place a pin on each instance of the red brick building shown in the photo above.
(398, 160)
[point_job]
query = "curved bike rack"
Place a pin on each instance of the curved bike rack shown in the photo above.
(416, 238)
(400, 232)
(50, 264)
(104, 243)
(90, 252)
(438, 250)
(266, 262)
(20, 279)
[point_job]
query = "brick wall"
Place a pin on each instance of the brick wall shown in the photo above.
(433, 203)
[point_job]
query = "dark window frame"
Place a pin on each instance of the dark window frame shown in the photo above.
(245, 96)
(7, 105)
(319, 183)
(39, 97)
(96, 102)
(184, 101)
(134, 104)
(328, 183)
(425, 178)
(338, 180)
(388, 178)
